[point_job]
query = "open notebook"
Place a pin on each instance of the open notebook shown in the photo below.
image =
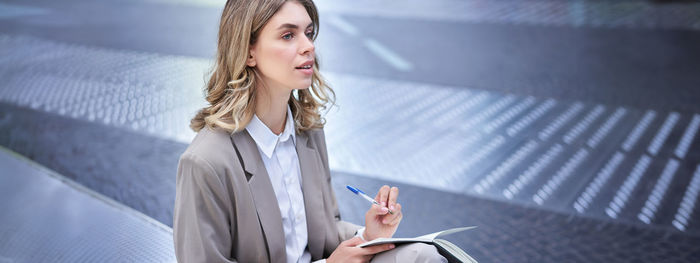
(446, 248)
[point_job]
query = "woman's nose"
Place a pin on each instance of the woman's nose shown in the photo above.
(307, 46)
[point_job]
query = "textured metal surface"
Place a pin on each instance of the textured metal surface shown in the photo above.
(506, 232)
(577, 13)
(584, 158)
(579, 118)
(127, 89)
(9, 10)
(48, 218)
(514, 233)
(542, 151)
(130, 167)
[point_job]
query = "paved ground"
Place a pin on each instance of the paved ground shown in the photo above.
(136, 170)
(506, 232)
(514, 233)
(567, 112)
(576, 50)
(50, 218)
(599, 160)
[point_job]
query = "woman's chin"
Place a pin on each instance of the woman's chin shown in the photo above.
(304, 86)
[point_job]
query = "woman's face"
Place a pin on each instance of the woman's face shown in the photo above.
(284, 52)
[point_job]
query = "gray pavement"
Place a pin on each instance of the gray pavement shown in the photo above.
(49, 218)
(574, 50)
(567, 112)
(131, 168)
(515, 233)
(507, 232)
(525, 149)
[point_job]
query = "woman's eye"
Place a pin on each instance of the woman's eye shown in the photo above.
(288, 36)
(310, 35)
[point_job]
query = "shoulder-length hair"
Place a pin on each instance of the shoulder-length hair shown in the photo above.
(231, 89)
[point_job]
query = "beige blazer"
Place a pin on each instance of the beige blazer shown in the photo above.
(226, 210)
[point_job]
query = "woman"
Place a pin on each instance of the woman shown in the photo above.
(254, 184)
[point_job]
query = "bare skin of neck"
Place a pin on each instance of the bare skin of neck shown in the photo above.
(271, 108)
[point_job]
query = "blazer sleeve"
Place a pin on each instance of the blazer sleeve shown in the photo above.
(346, 230)
(201, 223)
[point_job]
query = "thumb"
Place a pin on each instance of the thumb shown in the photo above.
(353, 242)
(377, 210)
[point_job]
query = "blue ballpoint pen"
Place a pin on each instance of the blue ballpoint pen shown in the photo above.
(366, 197)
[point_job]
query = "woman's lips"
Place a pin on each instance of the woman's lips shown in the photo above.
(306, 71)
(307, 68)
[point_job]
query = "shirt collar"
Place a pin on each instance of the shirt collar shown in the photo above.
(266, 139)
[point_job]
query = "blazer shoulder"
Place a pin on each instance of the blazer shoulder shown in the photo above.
(317, 136)
(213, 147)
(317, 139)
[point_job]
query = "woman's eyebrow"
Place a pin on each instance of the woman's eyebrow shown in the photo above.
(292, 26)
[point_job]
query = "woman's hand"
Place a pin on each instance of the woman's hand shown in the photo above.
(348, 252)
(378, 221)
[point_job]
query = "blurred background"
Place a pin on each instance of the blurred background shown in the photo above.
(567, 131)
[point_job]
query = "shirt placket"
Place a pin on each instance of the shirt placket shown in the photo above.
(285, 163)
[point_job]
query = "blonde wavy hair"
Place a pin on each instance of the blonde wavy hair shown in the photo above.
(231, 88)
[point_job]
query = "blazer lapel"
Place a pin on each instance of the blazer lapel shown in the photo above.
(311, 168)
(263, 196)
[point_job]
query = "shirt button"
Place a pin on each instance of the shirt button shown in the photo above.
(288, 180)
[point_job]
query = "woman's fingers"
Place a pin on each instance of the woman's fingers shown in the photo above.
(393, 195)
(390, 218)
(398, 216)
(386, 197)
(371, 250)
(383, 195)
(379, 210)
(353, 242)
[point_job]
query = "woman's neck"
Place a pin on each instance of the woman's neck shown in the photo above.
(271, 108)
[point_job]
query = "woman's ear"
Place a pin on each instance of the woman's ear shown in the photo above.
(251, 58)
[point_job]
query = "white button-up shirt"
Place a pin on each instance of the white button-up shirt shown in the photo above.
(278, 153)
